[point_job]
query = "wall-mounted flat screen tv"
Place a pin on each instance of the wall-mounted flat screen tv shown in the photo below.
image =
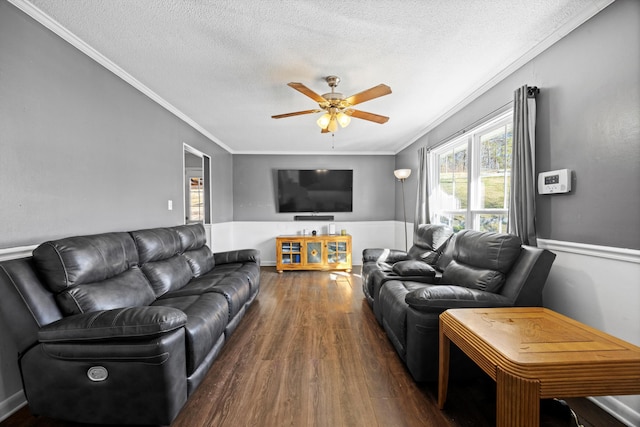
(318, 190)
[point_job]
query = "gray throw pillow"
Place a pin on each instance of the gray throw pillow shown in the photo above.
(413, 267)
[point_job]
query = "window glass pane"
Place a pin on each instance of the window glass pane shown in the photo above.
(456, 221)
(494, 168)
(493, 222)
(460, 176)
(453, 178)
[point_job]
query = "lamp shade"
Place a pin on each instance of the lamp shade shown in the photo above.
(323, 121)
(343, 119)
(402, 173)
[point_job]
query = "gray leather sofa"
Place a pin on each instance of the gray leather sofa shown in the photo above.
(120, 328)
(474, 269)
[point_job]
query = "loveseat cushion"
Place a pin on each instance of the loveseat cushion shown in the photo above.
(495, 251)
(128, 289)
(472, 277)
(413, 267)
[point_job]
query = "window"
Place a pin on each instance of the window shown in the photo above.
(472, 177)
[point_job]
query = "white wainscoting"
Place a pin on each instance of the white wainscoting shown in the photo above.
(261, 235)
(599, 286)
(11, 395)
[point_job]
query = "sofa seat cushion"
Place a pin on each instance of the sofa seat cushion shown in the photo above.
(128, 289)
(248, 270)
(235, 288)
(207, 318)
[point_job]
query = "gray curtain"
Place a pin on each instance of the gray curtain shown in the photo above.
(422, 199)
(522, 199)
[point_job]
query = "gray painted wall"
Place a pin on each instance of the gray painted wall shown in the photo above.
(81, 151)
(588, 121)
(254, 189)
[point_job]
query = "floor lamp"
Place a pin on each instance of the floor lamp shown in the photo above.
(402, 175)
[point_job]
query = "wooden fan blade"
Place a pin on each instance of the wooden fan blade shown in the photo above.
(367, 116)
(324, 130)
(297, 113)
(306, 91)
(366, 95)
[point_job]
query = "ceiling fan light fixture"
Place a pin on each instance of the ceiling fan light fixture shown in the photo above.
(343, 119)
(333, 124)
(324, 120)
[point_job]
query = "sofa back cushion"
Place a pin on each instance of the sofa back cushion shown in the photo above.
(494, 251)
(83, 271)
(193, 241)
(192, 236)
(480, 260)
(472, 277)
(128, 289)
(161, 259)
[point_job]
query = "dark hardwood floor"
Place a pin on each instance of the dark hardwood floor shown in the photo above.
(309, 352)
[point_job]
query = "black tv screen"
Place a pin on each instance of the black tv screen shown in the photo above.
(319, 190)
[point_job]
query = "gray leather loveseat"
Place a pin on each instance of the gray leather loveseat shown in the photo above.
(473, 269)
(120, 328)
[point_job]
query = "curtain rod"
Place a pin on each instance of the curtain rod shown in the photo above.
(467, 127)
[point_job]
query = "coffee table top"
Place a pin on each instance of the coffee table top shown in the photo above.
(539, 336)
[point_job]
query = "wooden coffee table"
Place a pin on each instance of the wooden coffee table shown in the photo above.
(533, 353)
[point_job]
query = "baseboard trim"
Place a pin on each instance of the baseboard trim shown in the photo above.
(609, 252)
(12, 404)
(618, 410)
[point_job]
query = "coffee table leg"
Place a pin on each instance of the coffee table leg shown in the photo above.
(443, 367)
(518, 401)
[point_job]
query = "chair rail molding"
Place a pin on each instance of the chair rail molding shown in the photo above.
(610, 252)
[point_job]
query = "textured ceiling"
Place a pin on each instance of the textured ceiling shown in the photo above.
(224, 64)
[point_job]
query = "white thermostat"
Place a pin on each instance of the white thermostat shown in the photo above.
(552, 182)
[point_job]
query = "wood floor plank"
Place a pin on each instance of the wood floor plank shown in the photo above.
(309, 352)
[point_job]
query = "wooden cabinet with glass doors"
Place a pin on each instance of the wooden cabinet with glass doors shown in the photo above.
(324, 252)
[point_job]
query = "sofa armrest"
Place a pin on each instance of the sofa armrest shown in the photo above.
(116, 324)
(384, 255)
(239, 255)
(438, 298)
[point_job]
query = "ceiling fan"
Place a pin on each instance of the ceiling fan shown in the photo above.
(337, 109)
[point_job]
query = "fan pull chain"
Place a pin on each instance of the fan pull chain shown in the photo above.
(333, 138)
